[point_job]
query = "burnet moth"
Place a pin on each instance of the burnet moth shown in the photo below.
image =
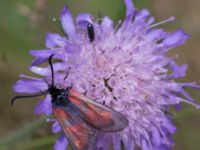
(79, 116)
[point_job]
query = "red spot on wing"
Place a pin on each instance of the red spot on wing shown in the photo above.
(103, 117)
(95, 114)
(77, 132)
(60, 114)
(106, 115)
(76, 101)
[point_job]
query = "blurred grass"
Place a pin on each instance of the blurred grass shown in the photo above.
(29, 129)
(23, 25)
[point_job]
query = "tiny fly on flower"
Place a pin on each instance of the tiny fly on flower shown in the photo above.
(79, 116)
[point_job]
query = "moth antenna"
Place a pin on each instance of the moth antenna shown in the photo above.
(66, 75)
(52, 71)
(26, 96)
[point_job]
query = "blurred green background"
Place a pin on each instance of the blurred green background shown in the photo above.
(23, 24)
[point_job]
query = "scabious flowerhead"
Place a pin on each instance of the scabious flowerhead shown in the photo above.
(125, 67)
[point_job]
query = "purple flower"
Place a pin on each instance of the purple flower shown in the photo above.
(125, 67)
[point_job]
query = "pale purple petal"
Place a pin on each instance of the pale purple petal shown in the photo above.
(151, 20)
(128, 144)
(145, 145)
(30, 86)
(142, 15)
(178, 71)
(107, 25)
(40, 70)
(38, 61)
(68, 23)
(116, 141)
(83, 19)
(53, 40)
(103, 141)
(176, 38)
(44, 71)
(163, 147)
(61, 143)
(156, 137)
(178, 107)
(156, 35)
(73, 50)
(168, 125)
(56, 127)
(41, 53)
(190, 85)
(129, 7)
(44, 106)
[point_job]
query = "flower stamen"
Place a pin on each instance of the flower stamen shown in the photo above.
(170, 19)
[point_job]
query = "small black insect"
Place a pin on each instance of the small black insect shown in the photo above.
(90, 30)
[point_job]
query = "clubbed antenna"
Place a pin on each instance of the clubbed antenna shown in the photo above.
(52, 71)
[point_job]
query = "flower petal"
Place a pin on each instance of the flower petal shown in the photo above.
(68, 23)
(44, 106)
(107, 25)
(129, 7)
(145, 145)
(56, 127)
(163, 147)
(175, 39)
(128, 144)
(156, 139)
(156, 35)
(61, 143)
(178, 71)
(103, 141)
(53, 40)
(169, 126)
(40, 70)
(41, 53)
(142, 15)
(30, 86)
(44, 71)
(83, 19)
(116, 140)
(39, 61)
